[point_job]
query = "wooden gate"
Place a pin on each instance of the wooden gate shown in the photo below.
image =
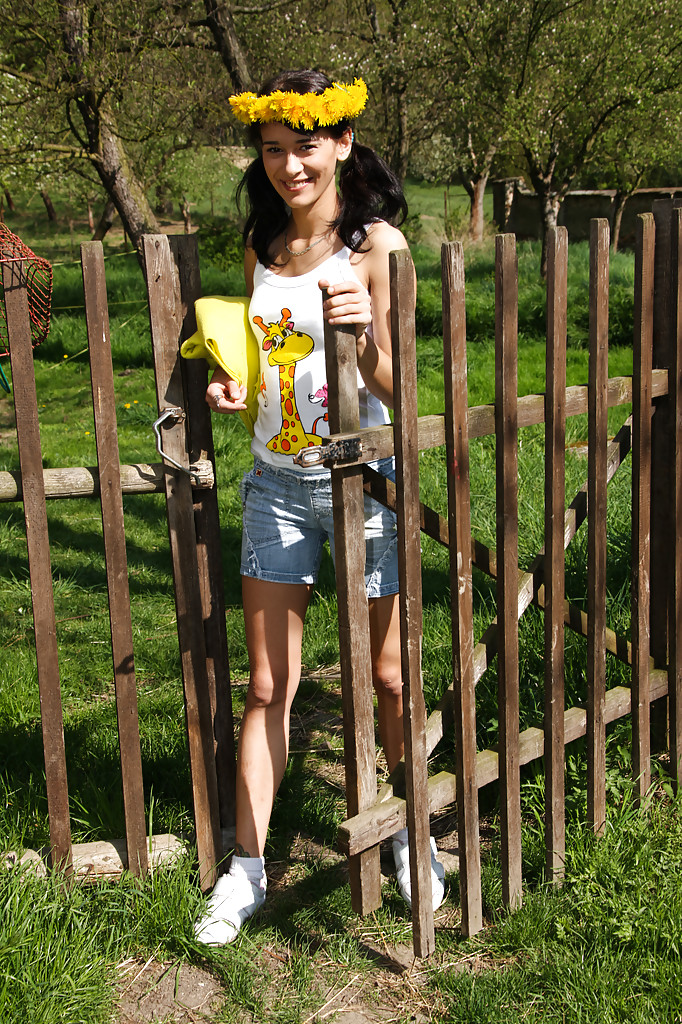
(187, 477)
(654, 436)
(652, 651)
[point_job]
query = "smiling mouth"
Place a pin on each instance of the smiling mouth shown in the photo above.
(294, 186)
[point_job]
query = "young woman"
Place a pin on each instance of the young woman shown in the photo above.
(303, 235)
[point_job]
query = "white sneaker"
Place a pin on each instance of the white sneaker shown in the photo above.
(234, 900)
(401, 856)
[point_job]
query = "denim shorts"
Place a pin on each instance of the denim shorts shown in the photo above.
(287, 518)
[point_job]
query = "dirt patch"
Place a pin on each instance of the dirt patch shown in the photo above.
(177, 993)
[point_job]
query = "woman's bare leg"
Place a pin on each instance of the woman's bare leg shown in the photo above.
(273, 615)
(384, 625)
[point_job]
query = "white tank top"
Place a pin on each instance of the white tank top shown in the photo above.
(286, 316)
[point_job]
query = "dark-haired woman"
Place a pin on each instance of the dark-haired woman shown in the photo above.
(302, 235)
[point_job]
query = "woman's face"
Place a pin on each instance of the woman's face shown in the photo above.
(301, 168)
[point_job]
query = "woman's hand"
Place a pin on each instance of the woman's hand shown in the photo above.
(224, 394)
(347, 303)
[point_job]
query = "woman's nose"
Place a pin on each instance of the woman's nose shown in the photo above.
(293, 164)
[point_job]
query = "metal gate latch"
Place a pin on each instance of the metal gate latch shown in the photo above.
(334, 451)
(201, 472)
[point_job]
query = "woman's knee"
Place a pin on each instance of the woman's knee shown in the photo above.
(387, 678)
(267, 690)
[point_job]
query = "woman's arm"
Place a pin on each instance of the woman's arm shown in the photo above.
(350, 302)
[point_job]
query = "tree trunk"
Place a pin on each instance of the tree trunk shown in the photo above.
(475, 180)
(105, 221)
(620, 200)
(123, 187)
(10, 201)
(51, 214)
(221, 24)
(101, 138)
(403, 143)
(551, 204)
(186, 215)
(476, 221)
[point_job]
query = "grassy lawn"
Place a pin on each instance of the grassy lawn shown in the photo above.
(605, 947)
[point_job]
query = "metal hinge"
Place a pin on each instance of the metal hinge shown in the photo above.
(200, 472)
(348, 449)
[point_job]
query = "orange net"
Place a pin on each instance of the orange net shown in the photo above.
(39, 285)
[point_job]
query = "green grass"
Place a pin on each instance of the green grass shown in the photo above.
(605, 947)
(59, 948)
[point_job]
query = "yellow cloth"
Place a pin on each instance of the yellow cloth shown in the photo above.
(224, 338)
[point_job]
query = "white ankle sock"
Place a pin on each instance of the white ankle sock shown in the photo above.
(252, 867)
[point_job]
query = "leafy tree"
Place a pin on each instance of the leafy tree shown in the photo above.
(633, 150)
(584, 71)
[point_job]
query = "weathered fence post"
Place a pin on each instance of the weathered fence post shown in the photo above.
(661, 526)
(38, 543)
(209, 553)
(461, 595)
(356, 665)
(506, 461)
(404, 341)
(675, 597)
(555, 486)
(596, 523)
(113, 530)
(641, 507)
(165, 313)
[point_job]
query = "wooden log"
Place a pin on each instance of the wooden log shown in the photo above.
(404, 344)
(377, 442)
(675, 596)
(641, 488)
(113, 529)
(506, 500)
(107, 861)
(83, 481)
(354, 643)
(555, 484)
(38, 544)
(165, 314)
(458, 527)
(209, 548)
(596, 523)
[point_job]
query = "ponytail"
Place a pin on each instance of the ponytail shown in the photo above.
(370, 191)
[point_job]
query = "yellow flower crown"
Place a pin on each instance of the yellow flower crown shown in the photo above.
(302, 110)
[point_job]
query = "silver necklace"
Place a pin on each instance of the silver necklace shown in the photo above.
(301, 252)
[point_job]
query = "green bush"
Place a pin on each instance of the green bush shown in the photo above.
(220, 242)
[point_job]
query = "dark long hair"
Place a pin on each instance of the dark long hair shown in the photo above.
(369, 189)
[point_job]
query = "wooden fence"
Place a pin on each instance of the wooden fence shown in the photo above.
(173, 285)
(409, 795)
